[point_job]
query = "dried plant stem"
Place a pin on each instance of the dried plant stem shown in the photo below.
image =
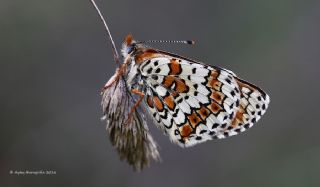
(114, 49)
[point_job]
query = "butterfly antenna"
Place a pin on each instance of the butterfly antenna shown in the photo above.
(190, 42)
(114, 49)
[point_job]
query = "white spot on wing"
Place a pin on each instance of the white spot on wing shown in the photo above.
(193, 102)
(185, 107)
(180, 117)
(197, 79)
(202, 89)
(161, 90)
(203, 99)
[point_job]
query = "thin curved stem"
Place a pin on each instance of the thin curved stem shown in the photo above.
(114, 49)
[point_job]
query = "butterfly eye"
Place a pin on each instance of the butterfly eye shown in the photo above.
(131, 48)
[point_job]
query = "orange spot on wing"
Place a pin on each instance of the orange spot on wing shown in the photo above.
(157, 102)
(149, 102)
(169, 102)
(204, 112)
(214, 74)
(181, 86)
(214, 107)
(215, 84)
(238, 118)
(217, 96)
(168, 81)
(242, 84)
(174, 94)
(144, 55)
(175, 67)
(185, 130)
(194, 119)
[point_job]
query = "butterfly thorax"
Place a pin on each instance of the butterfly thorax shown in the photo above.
(134, 53)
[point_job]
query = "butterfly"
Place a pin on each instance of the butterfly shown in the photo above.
(191, 102)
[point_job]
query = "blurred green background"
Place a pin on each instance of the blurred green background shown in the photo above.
(54, 59)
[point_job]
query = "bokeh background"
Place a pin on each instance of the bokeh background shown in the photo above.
(54, 59)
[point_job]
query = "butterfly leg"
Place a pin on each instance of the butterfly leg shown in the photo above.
(136, 105)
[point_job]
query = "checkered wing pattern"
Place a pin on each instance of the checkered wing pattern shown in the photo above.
(193, 102)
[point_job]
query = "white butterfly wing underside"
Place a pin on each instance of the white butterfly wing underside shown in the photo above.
(194, 102)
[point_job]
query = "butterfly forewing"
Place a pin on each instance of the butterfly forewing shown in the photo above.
(194, 102)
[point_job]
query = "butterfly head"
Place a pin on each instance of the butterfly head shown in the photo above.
(129, 46)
